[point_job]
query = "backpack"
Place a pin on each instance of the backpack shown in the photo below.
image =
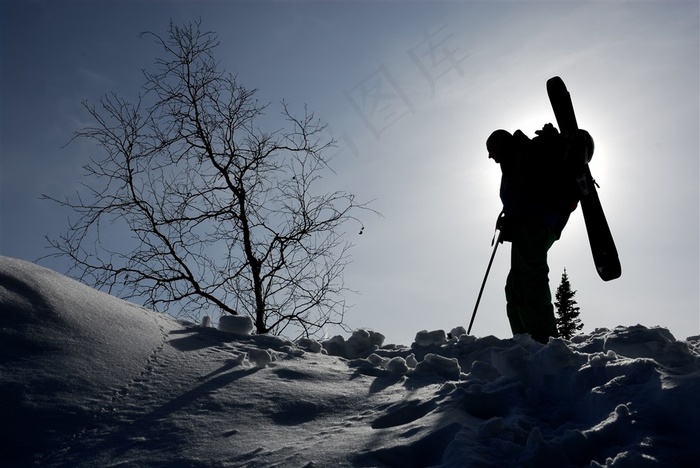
(539, 177)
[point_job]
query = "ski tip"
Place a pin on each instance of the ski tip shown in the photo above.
(555, 81)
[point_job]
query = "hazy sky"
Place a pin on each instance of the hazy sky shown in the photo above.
(411, 92)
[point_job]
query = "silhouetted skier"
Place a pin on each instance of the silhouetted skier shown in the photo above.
(539, 193)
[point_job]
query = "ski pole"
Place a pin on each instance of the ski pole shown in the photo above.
(488, 269)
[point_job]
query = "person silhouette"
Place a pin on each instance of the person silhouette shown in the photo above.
(539, 192)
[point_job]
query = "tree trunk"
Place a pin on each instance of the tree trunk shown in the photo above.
(254, 263)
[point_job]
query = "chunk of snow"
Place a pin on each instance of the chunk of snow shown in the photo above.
(397, 365)
(361, 342)
(445, 367)
(310, 345)
(525, 340)
(237, 324)
(377, 361)
(411, 361)
(458, 332)
(466, 339)
(259, 357)
(239, 360)
(335, 346)
(425, 338)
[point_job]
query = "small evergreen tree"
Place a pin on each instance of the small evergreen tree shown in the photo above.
(568, 322)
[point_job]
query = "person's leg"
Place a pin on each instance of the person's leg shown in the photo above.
(529, 298)
(514, 301)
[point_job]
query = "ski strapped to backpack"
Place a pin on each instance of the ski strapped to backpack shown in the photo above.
(603, 247)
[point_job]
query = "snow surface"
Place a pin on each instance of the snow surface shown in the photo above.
(87, 379)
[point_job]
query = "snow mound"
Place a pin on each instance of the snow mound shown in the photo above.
(62, 344)
(89, 380)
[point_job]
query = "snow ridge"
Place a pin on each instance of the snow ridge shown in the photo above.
(89, 380)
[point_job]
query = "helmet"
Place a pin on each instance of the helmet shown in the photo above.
(498, 141)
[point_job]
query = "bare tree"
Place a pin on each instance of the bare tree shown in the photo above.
(221, 213)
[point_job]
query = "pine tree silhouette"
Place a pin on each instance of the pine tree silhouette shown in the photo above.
(568, 322)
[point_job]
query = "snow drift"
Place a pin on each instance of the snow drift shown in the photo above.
(90, 380)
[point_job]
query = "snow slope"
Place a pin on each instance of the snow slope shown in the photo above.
(90, 380)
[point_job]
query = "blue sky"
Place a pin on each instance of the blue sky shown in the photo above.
(454, 72)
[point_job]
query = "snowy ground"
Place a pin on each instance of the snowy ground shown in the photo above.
(89, 380)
